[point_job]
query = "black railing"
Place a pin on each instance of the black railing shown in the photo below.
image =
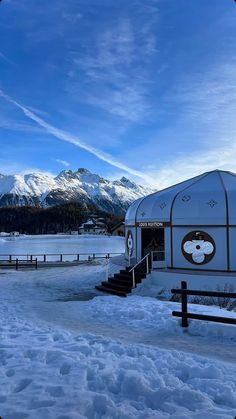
(32, 260)
(19, 263)
(185, 315)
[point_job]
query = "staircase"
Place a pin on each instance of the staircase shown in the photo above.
(123, 282)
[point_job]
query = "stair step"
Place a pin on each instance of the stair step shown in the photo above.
(119, 287)
(120, 275)
(121, 284)
(122, 281)
(127, 277)
(111, 291)
(125, 272)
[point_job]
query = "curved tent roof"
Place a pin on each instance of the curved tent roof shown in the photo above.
(208, 199)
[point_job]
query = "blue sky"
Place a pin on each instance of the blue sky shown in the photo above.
(145, 89)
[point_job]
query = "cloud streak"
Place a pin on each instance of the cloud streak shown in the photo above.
(69, 138)
(63, 162)
(4, 58)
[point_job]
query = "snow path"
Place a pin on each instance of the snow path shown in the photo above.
(107, 357)
(129, 321)
(221, 350)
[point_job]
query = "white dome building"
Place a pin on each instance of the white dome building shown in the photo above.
(189, 226)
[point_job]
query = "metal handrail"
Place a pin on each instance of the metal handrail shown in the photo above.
(137, 264)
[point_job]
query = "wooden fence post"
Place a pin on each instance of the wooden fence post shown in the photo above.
(10, 258)
(36, 263)
(44, 258)
(184, 303)
(78, 257)
(61, 258)
(17, 262)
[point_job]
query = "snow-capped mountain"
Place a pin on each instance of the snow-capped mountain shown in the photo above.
(39, 189)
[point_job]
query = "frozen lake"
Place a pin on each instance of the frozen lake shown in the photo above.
(60, 244)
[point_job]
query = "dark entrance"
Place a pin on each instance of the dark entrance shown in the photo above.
(153, 241)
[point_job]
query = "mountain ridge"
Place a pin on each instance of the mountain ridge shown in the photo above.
(45, 190)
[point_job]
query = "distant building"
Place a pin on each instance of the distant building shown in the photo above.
(4, 234)
(74, 232)
(14, 233)
(119, 229)
(93, 225)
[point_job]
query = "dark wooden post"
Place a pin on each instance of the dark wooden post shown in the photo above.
(184, 303)
(108, 256)
(36, 263)
(78, 257)
(93, 256)
(44, 258)
(31, 258)
(17, 263)
(61, 258)
(10, 258)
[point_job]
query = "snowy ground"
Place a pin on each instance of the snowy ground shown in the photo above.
(65, 358)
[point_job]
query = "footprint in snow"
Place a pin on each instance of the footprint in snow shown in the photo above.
(55, 391)
(37, 404)
(2, 399)
(10, 373)
(22, 385)
(65, 369)
(17, 415)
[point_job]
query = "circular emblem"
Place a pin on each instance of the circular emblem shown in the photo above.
(130, 242)
(198, 247)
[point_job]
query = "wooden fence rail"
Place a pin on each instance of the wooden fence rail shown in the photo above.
(26, 264)
(32, 260)
(32, 256)
(185, 315)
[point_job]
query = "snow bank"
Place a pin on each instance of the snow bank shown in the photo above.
(145, 313)
(49, 373)
(107, 357)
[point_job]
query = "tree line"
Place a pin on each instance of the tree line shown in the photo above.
(56, 219)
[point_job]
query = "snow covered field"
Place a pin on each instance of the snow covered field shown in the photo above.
(66, 356)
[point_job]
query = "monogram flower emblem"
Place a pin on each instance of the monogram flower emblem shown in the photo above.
(198, 249)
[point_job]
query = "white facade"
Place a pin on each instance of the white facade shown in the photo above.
(93, 226)
(191, 225)
(14, 233)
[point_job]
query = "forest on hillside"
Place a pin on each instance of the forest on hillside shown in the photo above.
(56, 219)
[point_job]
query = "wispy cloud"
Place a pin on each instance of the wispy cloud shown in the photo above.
(116, 65)
(67, 137)
(63, 162)
(3, 57)
(210, 98)
(192, 165)
(207, 103)
(12, 125)
(6, 59)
